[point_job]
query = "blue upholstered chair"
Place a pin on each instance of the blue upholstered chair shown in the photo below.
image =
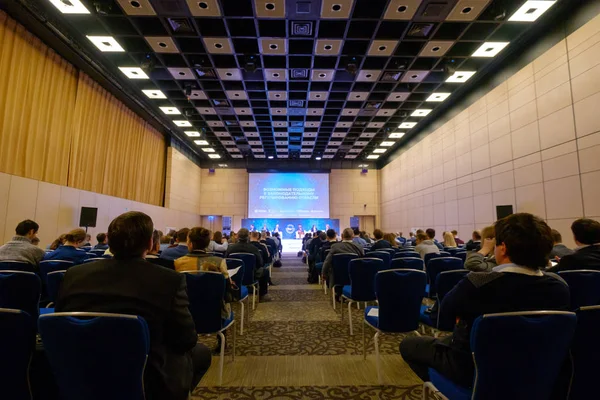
(16, 266)
(407, 254)
(97, 252)
(233, 263)
(362, 273)
(429, 257)
(436, 266)
(584, 285)
(319, 267)
(54, 280)
(585, 353)
(20, 290)
(206, 291)
(249, 267)
(407, 263)
(462, 255)
(341, 277)
(96, 356)
(512, 356)
(17, 343)
(445, 282)
(93, 259)
(384, 256)
(53, 265)
(399, 293)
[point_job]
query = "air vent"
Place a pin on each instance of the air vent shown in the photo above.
(231, 123)
(391, 76)
(302, 28)
(295, 130)
(420, 30)
(373, 104)
(296, 103)
(296, 111)
(220, 103)
(181, 25)
(297, 123)
(299, 74)
(225, 111)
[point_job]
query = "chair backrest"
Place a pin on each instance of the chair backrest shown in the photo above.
(462, 255)
(20, 290)
(408, 263)
(428, 257)
(585, 353)
(205, 292)
(519, 355)
(451, 250)
(53, 265)
(53, 281)
(436, 266)
(362, 273)
(444, 253)
(391, 250)
(97, 252)
(91, 260)
(445, 282)
(249, 266)
(584, 285)
(384, 256)
(399, 293)
(339, 263)
(233, 263)
(16, 266)
(408, 254)
(17, 343)
(93, 354)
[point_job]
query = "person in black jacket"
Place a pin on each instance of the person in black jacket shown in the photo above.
(586, 233)
(523, 243)
(260, 272)
(380, 242)
(127, 284)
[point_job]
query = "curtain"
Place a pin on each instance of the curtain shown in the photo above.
(37, 98)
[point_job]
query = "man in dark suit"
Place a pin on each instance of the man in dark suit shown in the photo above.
(380, 242)
(260, 272)
(587, 255)
(127, 284)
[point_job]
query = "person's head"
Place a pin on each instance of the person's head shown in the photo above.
(378, 234)
(322, 236)
(454, 233)
(331, 235)
(430, 233)
(254, 236)
(101, 238)
(299, 227)
(27, 228)
(156, 236)
(419, 231)
(76, 238)
(252, 226)
(421, 237)
(348, 234)
(391, 238)
(411, 234)
(326, 227)
(88, 238)
(218, 237)
(198, 238)
(276, 234)
(130, 235)
(182, 235)
(315, 234)
(556, 236)
(489, 232)
(268, 234)
(242, 235)
(356, 232)
(165, 239)
(523, 239)
(476, 236)
(58, 242)
(307, 235)
(586, 231)
(449, 239)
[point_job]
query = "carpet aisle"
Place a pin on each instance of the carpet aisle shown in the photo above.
(296, 348)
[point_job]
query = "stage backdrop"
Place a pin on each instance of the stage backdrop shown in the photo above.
(287, 228)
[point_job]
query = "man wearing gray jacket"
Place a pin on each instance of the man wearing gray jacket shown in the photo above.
(482, 260)
(345, 246)
(425, 245)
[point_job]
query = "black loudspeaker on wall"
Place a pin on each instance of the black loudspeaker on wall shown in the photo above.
(88, 217)
(503, 211)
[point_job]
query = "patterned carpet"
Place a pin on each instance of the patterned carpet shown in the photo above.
(296, 347)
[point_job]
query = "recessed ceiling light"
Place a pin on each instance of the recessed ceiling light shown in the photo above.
(318, 158)
(270, 157)
(154, 94)
(106, 44)
(192, 134)
(531, 10)
(407, 125)
(202, 143)
(387, 144)
(170, 110)
(372, 157)
(182, 123)
(223, 165)
(379, 151)
(208, 150)
(460, 76)
(396, 135)
(70, 6)
(489, 49)
(134, 72)
(214, 156)
(438, 97)
(420, 113)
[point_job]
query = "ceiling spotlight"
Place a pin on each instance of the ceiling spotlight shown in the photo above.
(318, 158)
(270, 157)
(379, 151)
(70, 6)
(208, 150)
(214, 156)
(106, 44)
(396, 135)
(182, 123)
(373, 157)
(154, 94)
(460, 76)
(489, 49)
(250, 63)
(170, 110)
(102, 8)
(134, 73)
(407, 125)
(386, 144)
(420, 113)
(192, 134)
(202, 143)
(438, 97)
(531, 10)
(352, 65)
(147, 63)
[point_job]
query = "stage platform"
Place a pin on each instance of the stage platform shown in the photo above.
(291, 246)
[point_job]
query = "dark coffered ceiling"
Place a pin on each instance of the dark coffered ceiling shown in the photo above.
(310, 83)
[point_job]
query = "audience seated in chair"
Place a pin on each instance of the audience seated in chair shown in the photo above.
(483, 260)
(102, 242)
(357, 239)
(431, 235)
(71, 249)
(380, 242)
(559, 250)
(264, 250)
(391, 239)
(20, 247)
(260, 272)
(180, 248)
(449, 241)
(347, 245)
(218, 243)
(127, 284)
(153, 255)
(425, 245)
(458, 240)
(197, 242)
(475, 243)
(59, 241)
(586, 233)
(523, 244)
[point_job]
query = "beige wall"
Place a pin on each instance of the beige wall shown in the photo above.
(182, 188)
(225, 193)
(349, 191)
(56, 208)
(533, 142)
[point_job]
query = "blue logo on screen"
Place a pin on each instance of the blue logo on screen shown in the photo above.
(290, 229)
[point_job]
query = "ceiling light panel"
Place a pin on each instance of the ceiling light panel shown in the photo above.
(208, 150)
(387, 144)
(106, 44)
(201, 143)
(214, 156)
(70, 7)
(379, 151)
(182, 123)
(420, 113)
(438, 97)
(531, 10)
(154, 94)
(407, 125)
(460, 76)
(192, 134)
(372, 157)
(396, 135)
(170, 110)
(134, 72)
(490, 49)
